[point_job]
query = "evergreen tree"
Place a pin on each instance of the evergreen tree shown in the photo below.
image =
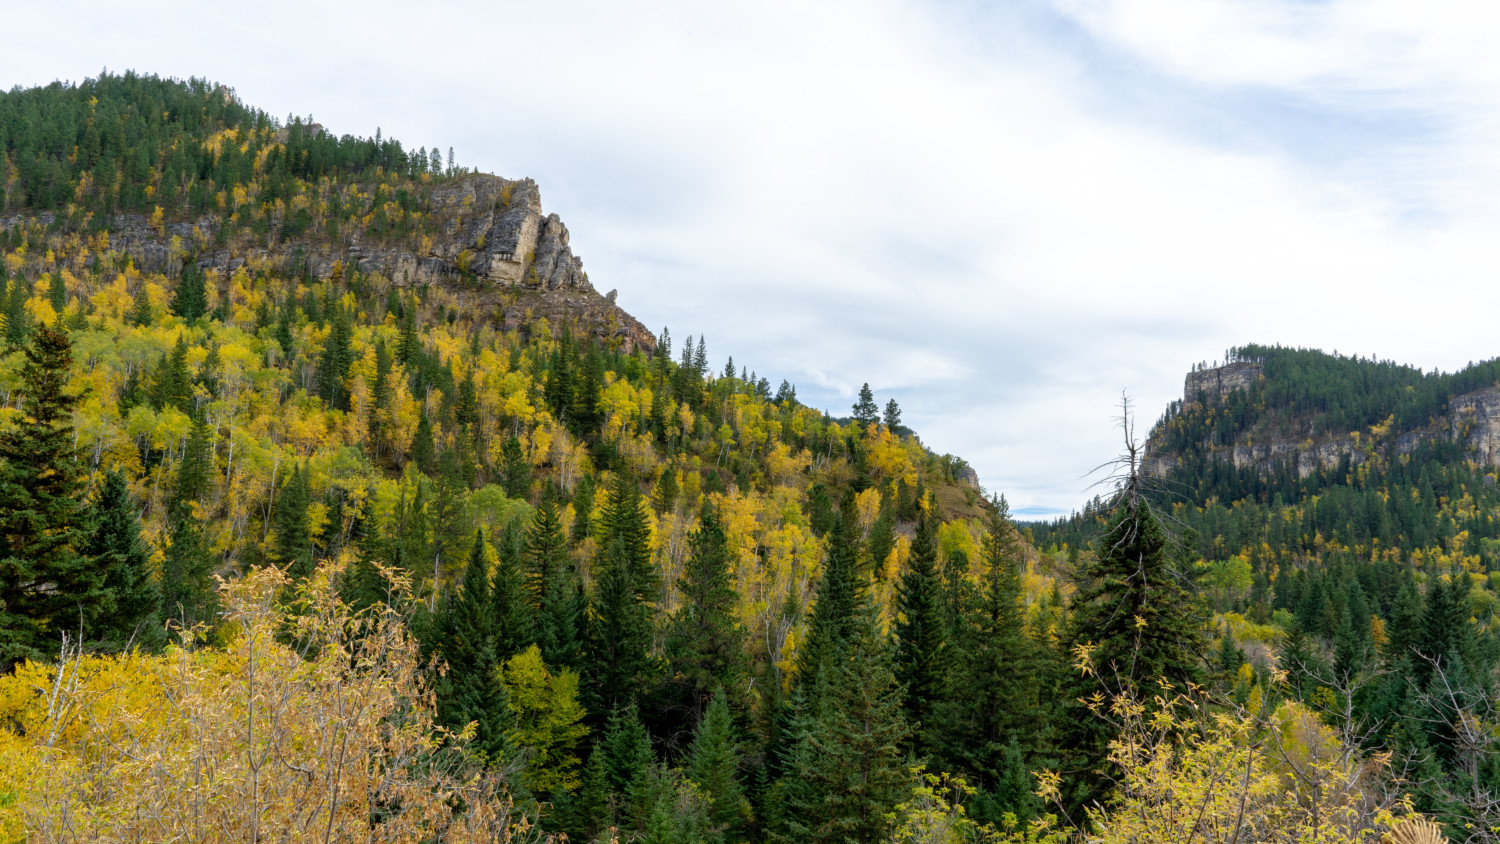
(554, 588)
(470, 690)
(57, 292)
(195, 472)
(621, 757)
(619, 633)
(47, 582)
(845, 767)
(892, 417)
(921, 660)
(191, 299)
(882, 540)
(866, 412)
(171, 382)
(409, 342)
(515, 471)
(997, 724)
(713, 765)
(293, 545)
(337, 357)
(1144, 627)
(140, 309)
(380, 398)
(130, 614)
(187, 593)
(515, 621)
(423, 451)
(17, 320)
(705, 645)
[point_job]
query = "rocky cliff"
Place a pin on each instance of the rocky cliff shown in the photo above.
(495, 240)
(1471, 420)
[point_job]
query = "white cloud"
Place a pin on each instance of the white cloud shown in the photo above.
(1000, 220)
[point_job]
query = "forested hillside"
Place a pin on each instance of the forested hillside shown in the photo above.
(325, 513)
(1345, 513)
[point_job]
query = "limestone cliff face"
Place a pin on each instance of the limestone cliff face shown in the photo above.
(1220, 381)
(1472, 419)
(492, 230)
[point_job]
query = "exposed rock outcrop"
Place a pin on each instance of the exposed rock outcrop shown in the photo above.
(493, 237)
(1220, 381)
(1471, 419)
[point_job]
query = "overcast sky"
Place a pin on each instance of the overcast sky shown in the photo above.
(1000, 214)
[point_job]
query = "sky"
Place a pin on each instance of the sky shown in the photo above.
(1004, 215)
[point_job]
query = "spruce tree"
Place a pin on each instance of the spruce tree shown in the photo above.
(1143, 625)
(131, 613)
(191, 299)
(17, 320)
(921, 637)
(57, 292)
(619, 633)
(514, 469)
(713, 761)
(187, 593)
(845, 764)
(470, 690)
(195, 472)
(334, 363)
(705, 645)
(293, 546)
(140, 309)
(554, 589)
(380, 398)
(515, 620)
(47, 582)
(171, 382)
(996, 725)
(423, 450)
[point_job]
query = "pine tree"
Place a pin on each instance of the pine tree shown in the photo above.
(47, 582)
(293, 546)
(866, 412)
(705, 645)
(713, 762)
(134, 598)
(191, 299)
(892, 417)
(921, 660)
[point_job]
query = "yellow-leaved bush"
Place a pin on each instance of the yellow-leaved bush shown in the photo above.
(1190, 770)
(312, 723)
